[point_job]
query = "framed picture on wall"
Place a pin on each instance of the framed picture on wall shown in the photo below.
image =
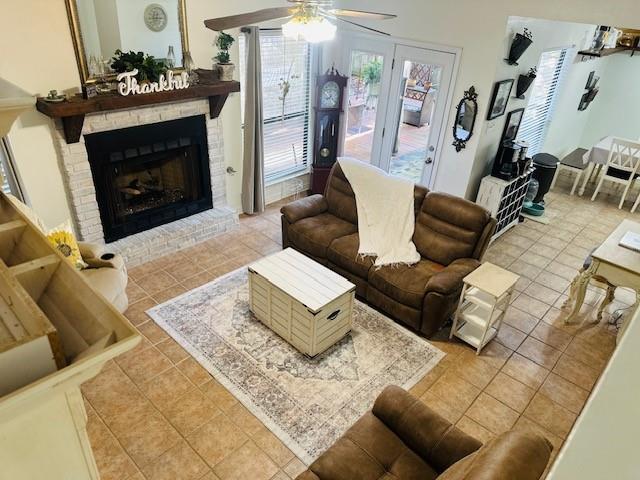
(510, 131)
(499, 99)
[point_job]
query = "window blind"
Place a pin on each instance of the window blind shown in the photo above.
(286, 92)
(539, 111)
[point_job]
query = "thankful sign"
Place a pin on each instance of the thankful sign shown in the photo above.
(129, 83)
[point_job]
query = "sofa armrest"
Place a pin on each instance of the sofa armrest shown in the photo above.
(305, 207)
(96, 256)
(449, 280)
(425, 432)
(90, 250)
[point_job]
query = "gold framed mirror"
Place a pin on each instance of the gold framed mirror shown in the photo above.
(100, 27)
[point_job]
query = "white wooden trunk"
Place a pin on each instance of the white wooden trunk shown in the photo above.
(311, 320)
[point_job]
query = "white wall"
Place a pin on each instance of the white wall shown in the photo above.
(547, 35)
(41, 57)
(565, 132)
(616, 108)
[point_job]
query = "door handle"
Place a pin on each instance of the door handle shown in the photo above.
(431, 148)
(428, 161)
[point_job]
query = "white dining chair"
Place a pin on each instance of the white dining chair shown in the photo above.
(622, 166)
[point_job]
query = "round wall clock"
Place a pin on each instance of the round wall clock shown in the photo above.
(155, 17)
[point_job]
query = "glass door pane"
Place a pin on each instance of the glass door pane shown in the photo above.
(365, 81)
(419, 93)
(415, 116)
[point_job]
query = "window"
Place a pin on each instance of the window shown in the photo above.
(539, 111)
(7, 171)
(286, 89)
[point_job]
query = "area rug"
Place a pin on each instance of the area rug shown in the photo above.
(408, 165)
(307, 402)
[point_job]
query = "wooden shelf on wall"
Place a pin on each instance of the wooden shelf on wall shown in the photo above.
(73, 110)
(605, 52)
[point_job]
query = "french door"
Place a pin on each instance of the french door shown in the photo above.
(396, 108)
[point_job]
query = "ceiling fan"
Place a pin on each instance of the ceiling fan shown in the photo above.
(308, 19)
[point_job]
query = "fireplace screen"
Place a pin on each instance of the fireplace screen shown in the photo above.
(150, 175)
(155, 181)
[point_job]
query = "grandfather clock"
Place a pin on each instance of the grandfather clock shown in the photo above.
(328, 109)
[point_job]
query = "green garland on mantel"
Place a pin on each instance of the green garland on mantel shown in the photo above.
(148, 67)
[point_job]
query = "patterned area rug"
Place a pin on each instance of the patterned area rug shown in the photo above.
(308, 403)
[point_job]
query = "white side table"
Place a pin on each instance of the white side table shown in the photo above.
(484, 300)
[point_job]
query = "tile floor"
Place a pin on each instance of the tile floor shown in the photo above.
(155, 413)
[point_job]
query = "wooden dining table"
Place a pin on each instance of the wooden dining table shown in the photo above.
(620, 266)
(595, 158)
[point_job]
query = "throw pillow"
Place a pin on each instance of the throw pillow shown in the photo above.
(64, 240)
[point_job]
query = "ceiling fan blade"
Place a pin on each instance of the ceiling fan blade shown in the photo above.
(358, 25)
(341, 12)
(234, 21)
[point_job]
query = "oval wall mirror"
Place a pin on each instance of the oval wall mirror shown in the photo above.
(465, 119)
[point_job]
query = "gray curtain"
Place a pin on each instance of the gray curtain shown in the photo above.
(253, 154)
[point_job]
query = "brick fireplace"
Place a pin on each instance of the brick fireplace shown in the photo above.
(143, 224)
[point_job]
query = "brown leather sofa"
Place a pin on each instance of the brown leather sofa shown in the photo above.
(403, 439)
(451, 235)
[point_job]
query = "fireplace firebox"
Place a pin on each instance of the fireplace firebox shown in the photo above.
(150, 175)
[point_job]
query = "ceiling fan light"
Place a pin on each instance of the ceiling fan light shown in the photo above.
(293, 29)
(319, 30)
(311, 29)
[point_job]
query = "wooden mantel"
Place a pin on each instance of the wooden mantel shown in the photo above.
(73, 110)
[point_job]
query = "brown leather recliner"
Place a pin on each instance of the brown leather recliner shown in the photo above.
(451, 235)
(403, 439)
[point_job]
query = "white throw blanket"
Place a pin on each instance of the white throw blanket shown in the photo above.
(385, 213)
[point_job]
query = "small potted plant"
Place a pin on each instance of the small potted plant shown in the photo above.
(520, 43)
(224, 66)
(524, 82)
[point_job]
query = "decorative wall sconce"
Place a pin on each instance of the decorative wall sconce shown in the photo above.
(590, 94)
(520, 43)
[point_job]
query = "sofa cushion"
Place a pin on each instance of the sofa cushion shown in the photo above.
(313, 235)
(370, 451)
(340, 198)
(406, 284)
(343, 252)
(448, 227)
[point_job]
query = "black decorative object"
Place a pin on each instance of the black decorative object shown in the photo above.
(590, 94)
(512, 125)
(520, 43)
(499, 99)
(465, 119)
(524, 82)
